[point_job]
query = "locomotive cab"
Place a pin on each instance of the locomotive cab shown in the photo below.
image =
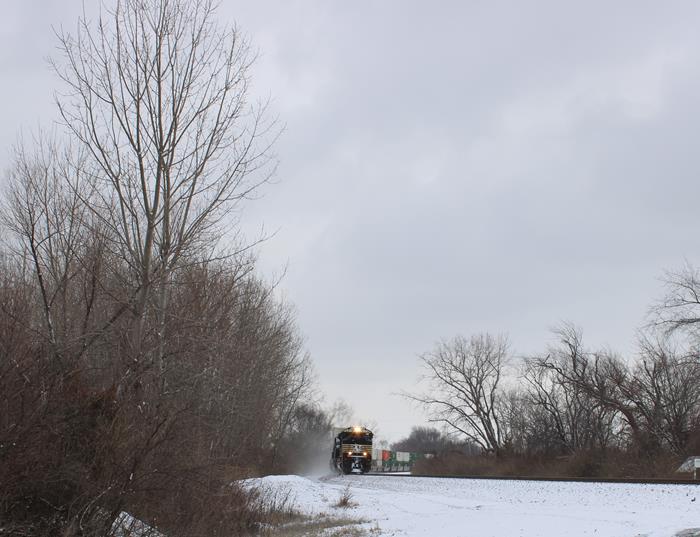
(352, 450)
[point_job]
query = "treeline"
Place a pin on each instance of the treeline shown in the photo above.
(434, 442)
(96, 420)
(572, 409)
(144, 366)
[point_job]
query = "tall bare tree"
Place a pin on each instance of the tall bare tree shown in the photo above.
(464, 377)
(158, 95)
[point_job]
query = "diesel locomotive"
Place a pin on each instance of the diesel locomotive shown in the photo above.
(352, 450)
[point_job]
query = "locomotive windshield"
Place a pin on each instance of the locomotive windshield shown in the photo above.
(360, 439)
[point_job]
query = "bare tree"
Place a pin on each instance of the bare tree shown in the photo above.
(667, 391)
(341, 413)
(464, 376)
(50, 226)
(600, 374)
(157, 94)
(679, 309)
(656, 397)
(303, 446)
(569, 411)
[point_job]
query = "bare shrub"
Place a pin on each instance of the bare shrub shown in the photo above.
(345, 499)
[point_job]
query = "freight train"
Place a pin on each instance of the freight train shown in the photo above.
(352, 450)
(353, 453)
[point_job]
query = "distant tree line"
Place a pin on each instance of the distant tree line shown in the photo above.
(433, 441)
(572, 402)
(144, 366)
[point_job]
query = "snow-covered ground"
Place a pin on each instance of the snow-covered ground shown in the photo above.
(481, 508)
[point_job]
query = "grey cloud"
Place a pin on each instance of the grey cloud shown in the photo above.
(455, 167)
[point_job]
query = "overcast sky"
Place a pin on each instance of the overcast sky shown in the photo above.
(450, 167)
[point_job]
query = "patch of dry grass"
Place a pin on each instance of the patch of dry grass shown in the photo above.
(281, 518)
(323, 526)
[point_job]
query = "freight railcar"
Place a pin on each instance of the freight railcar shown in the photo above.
(384, 460)
(352, 450)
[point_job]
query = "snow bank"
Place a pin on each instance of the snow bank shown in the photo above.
(482, 508)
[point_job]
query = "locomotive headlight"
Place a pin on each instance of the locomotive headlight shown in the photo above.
(364, 453)
(357, 429)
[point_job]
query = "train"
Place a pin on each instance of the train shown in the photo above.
(352, 450)
(353, 453)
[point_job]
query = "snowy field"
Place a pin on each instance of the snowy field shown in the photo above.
(482, 508)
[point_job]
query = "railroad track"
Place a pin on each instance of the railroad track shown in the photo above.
(562, 479)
